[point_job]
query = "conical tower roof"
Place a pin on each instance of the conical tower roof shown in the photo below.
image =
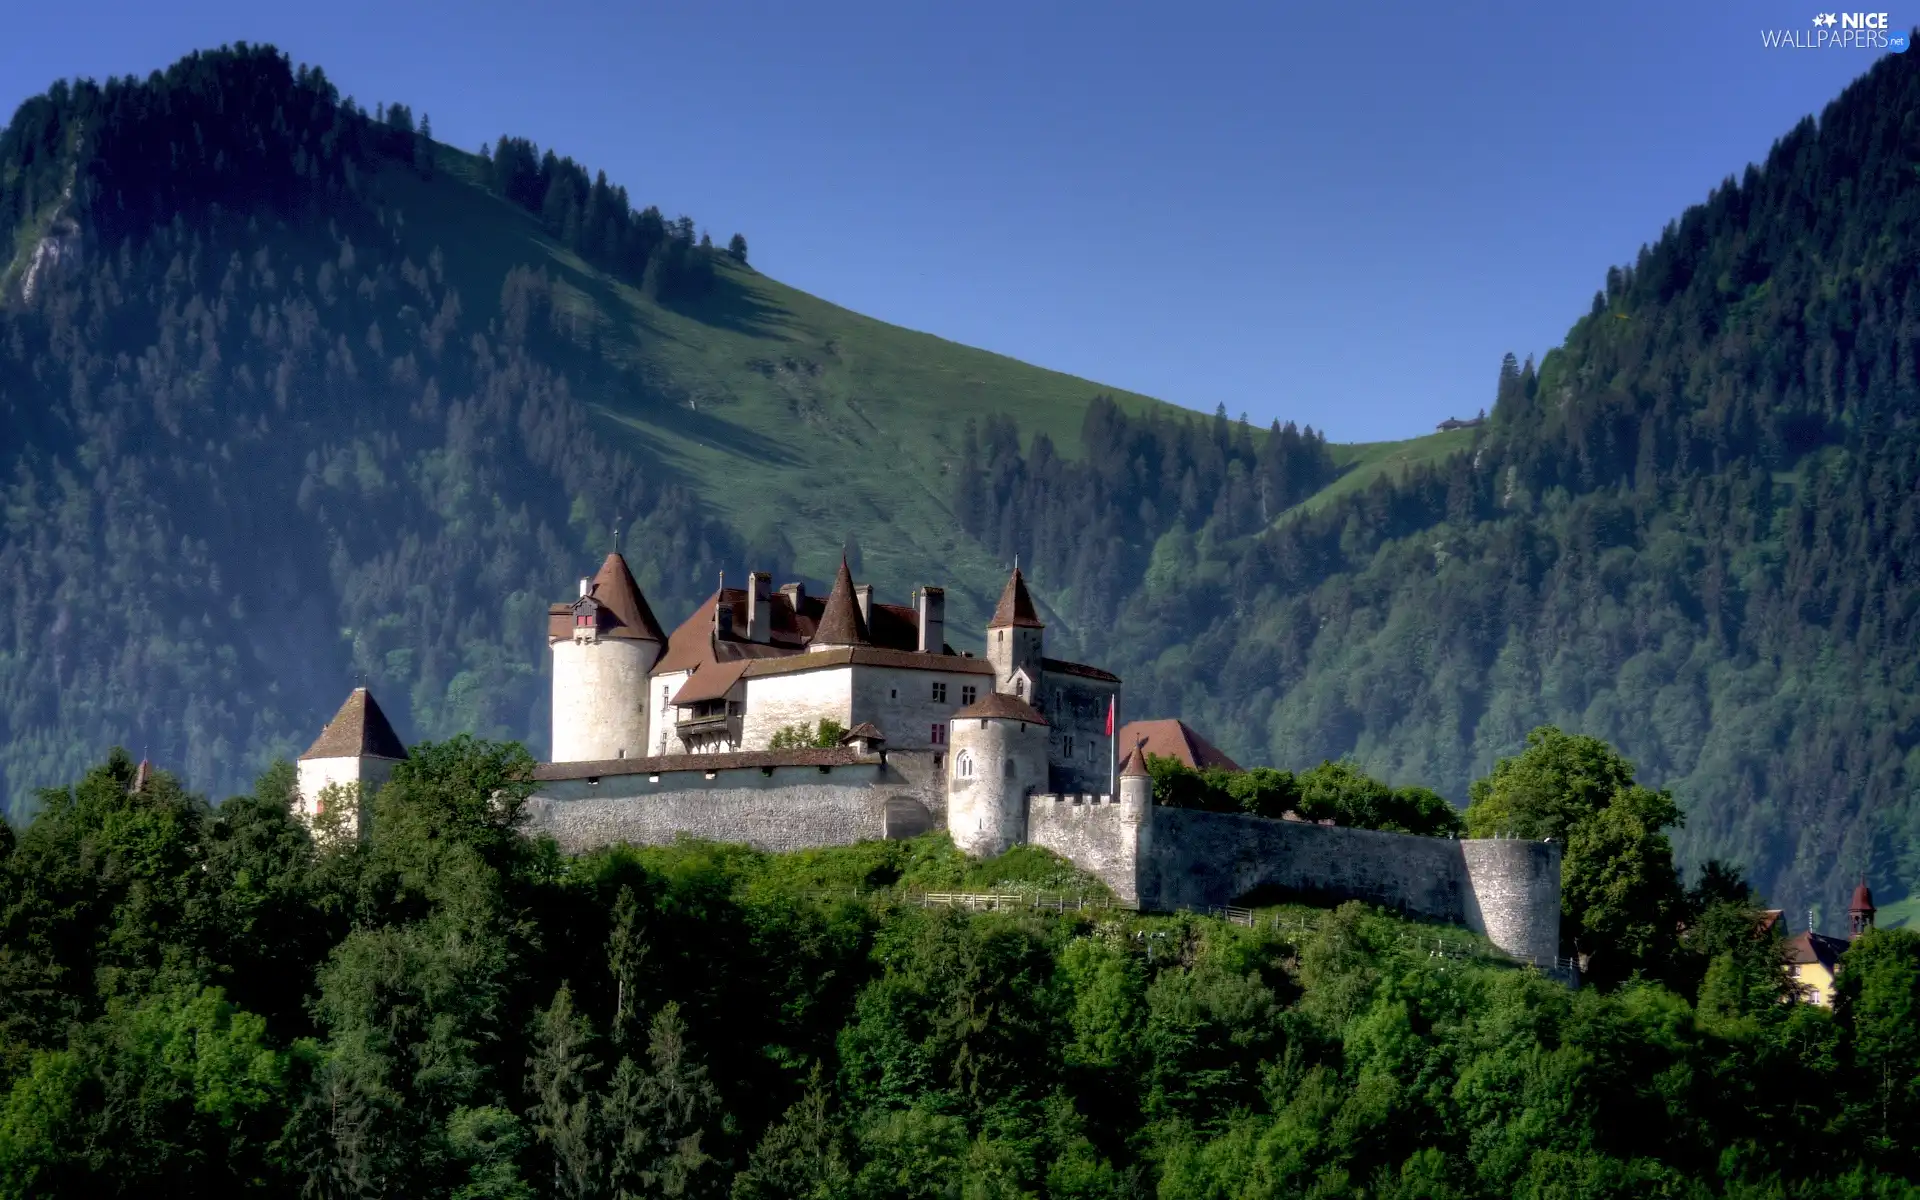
(1862, 900)
(841, 623)
(1016, 606)
(1136, 764)
(358, 730)
(616, 592)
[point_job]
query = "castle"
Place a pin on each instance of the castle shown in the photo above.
(708, 732)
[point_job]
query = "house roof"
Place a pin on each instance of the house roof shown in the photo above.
(864, 731)
(841, 623)
(1016, 606)
(358, 730)
(831, 756)
(1003, 706)
(1810, 947)
(1060, 666)
(712, 681)
(1177, 740)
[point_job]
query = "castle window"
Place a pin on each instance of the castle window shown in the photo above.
(968, 694)
(1020, 688)
(939, 736)
(1069, 747)
(940, 693)
(893, 693)
(963, 764)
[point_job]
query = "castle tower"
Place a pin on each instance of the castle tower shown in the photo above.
(604, 646)
(841, 621)
(1860, 911)
(998, 758)
(1136, 782)
(356, 753)
(1014, 642)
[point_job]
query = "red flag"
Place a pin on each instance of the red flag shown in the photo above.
(1110, 703)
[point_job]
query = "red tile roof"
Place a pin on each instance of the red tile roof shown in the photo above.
(1175, 739)
(1134, 765)
(358, 730)
(1016, 606)
(712, 681)
(1003, 706)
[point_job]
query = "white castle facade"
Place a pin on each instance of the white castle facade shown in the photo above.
(707, 732)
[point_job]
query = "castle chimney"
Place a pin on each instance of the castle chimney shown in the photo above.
(722, 619)
(796, 594)
(759, 607)
(863, 596)
(932, 608)
(586, 585)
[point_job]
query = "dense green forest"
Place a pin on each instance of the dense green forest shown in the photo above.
(293, 394)
(203, 1001)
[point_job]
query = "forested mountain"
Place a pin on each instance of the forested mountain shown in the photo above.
(292, 393)
(1693, 531)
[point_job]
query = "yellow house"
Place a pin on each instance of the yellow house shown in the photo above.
(1813, 959)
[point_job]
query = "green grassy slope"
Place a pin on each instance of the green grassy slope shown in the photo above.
(789, 415)
(1360, 463)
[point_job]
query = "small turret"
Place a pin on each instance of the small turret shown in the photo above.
(1014, 638)
(1136, 782)
(351, 759)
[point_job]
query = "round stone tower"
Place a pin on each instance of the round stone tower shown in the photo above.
(998, 757)
(604, 646)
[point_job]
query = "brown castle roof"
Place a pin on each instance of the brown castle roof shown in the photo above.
(1003, 706)
(1016, 606)
(841, 623)
(868, 656)
(1060, 666)
(615, 589)
(1175, 739)
(623, 610)
(358, 730)
(1136, 764)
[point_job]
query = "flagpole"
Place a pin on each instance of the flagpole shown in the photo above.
(1113, 749)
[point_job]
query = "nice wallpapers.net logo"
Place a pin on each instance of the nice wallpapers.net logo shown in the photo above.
(1839, 31)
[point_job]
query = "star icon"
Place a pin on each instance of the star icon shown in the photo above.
(1826, 19)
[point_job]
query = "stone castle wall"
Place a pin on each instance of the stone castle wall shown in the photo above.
(1153, 858)
(1094, 832)
(773, 808)
(1508, 890)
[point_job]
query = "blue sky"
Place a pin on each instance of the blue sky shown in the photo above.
(1336, 214)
